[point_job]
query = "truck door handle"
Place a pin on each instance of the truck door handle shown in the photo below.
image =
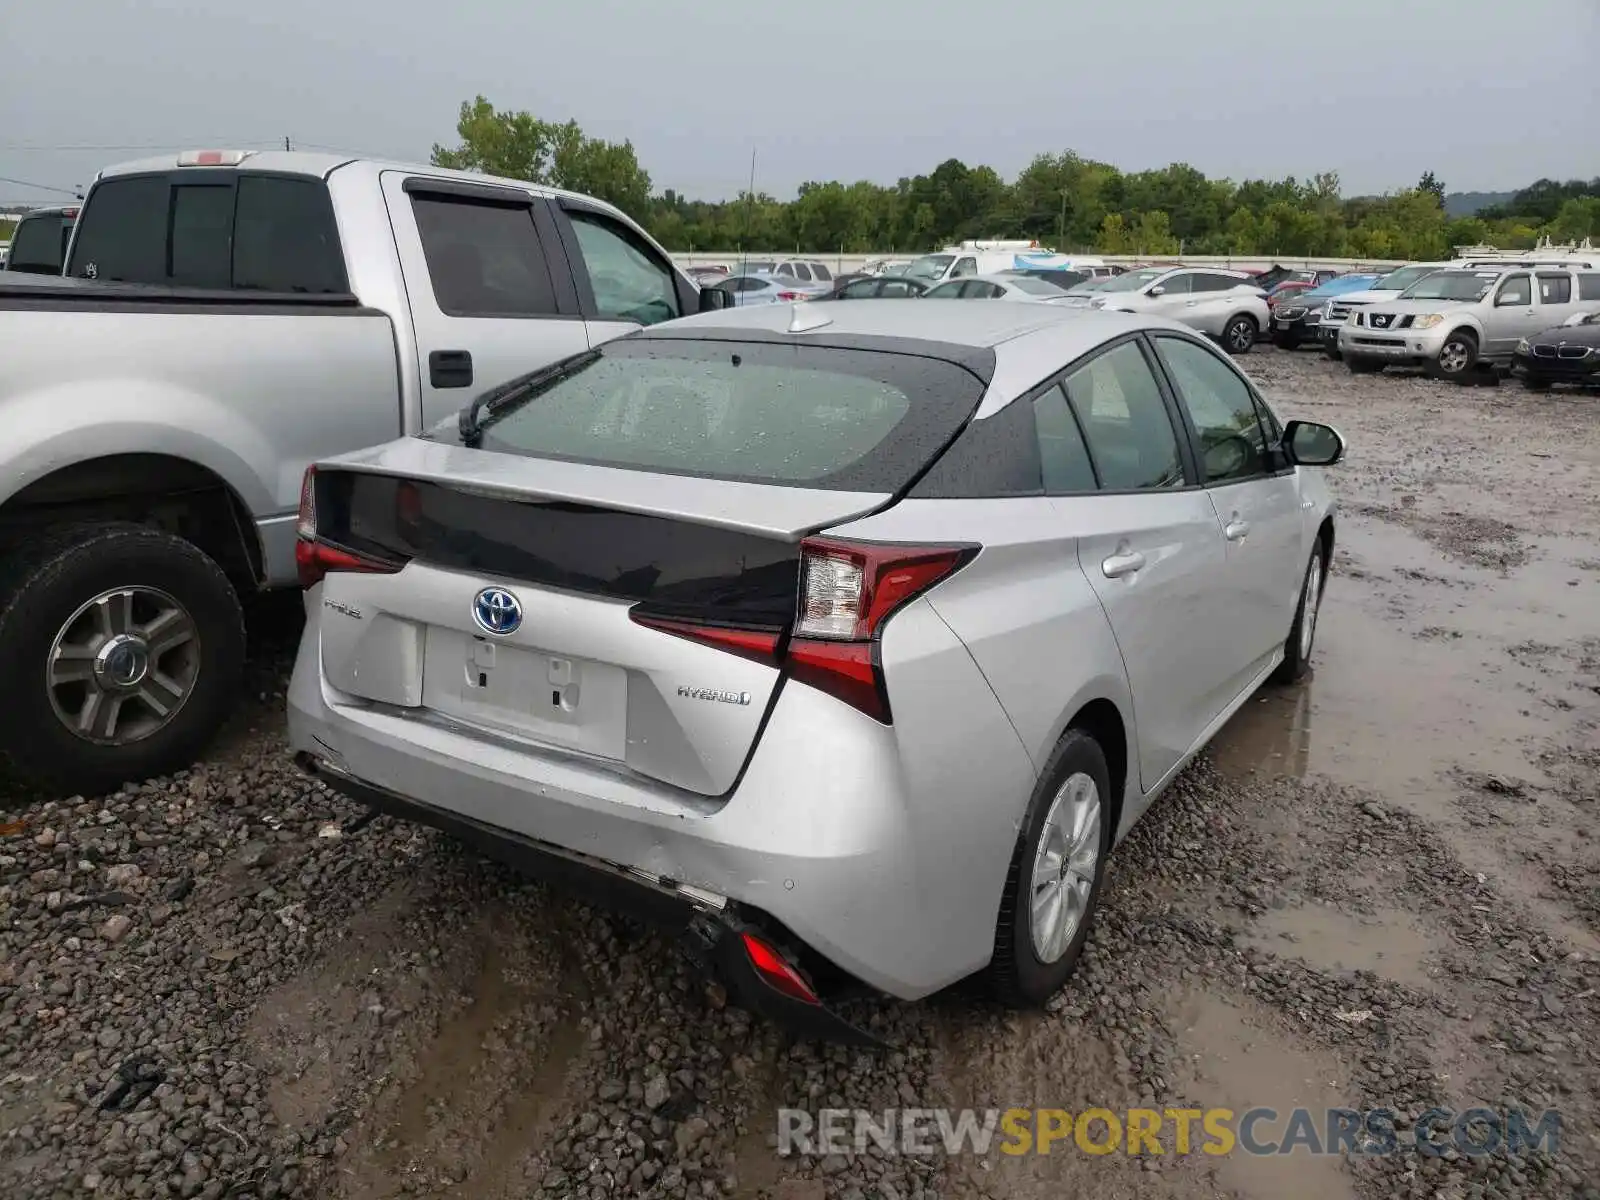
(1124, 563)
(1235, 530)
(450, 368)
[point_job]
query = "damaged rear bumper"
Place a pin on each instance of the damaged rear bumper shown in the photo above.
(726, 941)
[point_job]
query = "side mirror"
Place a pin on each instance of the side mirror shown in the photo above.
(715, 299)
(1158, 290)
(1309, 444)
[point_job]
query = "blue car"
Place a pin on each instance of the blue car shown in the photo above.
(1297, 319)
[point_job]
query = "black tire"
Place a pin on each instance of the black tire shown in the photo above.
(1535, 385)
(1361, 365)
(1333, 353)
(1286, 341)
(1456, 358)
(1015, 975)
(1296, 655)
(1240, 333)
(43, 586)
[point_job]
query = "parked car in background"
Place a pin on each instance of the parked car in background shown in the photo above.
(1566, 353)
(736, 616)
(39, 240)
(806, 270)
(1297, 315)
(885, 266)
(1225, 305)
(876, 287)
(996, 287)
(769, 289)
(707, 274)
(1453, 321)
(991, 258)
(225, 318)
(1065, 280)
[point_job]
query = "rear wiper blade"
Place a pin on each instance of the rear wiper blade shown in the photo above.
(497, 402)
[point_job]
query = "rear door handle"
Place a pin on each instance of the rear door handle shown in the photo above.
(1235, 530)
(450, 368)
(1119, 565)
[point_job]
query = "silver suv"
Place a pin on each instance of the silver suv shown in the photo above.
(1226, 305)
(1454, 320)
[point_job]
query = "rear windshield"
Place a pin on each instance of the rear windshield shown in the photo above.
(39, 244)
(803, 416)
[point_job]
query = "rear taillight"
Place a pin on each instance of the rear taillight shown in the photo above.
(314, 558)
(790, 297)
(847, 591)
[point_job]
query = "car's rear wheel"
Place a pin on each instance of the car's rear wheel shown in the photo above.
(1055, 877)
(122, 646)
(1240, 334)
(1456, 357)
(1302, 637)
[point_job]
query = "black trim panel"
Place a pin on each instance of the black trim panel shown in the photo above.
(511, 197)
(157, 300)
(674, 568)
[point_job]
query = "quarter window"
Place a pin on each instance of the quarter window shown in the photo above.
(1233, 444)
(822, 272)
(629, 283)
(1589, 286)
(1125, 421)
(484, 259)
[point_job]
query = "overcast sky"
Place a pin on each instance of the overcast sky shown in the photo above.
(1488, 94)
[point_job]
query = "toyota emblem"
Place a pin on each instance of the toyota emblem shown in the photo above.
(497, 611)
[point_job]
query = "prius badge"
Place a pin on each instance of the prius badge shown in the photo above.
(497, 611)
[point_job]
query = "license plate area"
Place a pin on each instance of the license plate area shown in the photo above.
(573, 703)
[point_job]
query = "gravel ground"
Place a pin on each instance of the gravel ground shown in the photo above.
(1377, 889)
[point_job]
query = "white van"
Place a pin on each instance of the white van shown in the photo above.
(993, 257)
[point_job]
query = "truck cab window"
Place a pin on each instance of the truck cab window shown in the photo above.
(485, 259)
(122, 232)
(201, 254)
(285, 238)
(630, 283)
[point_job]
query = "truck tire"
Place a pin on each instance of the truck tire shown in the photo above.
(122, 649)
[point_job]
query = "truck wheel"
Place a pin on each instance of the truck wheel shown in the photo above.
(1056, 871)
(122, 647)
(1457, 356)
(1240, 334)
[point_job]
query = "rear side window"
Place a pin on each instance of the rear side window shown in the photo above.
(39, 244)
(822, 272)
(1589, 286)
(1555, 289)
(484, 259)
(1125, 421)
(201, 254)
(123, 231)
(808, 416)
(285, 238)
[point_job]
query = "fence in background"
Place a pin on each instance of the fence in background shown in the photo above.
(843, 263)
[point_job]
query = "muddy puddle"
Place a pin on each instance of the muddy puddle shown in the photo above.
(1389, 943)
(1235, 1057)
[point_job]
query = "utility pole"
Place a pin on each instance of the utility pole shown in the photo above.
(286, 142)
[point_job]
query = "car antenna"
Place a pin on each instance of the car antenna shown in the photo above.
(804, 319)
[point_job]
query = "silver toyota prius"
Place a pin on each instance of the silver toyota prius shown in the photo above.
(849, 642)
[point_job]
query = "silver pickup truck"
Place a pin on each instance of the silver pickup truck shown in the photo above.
(223, 319)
